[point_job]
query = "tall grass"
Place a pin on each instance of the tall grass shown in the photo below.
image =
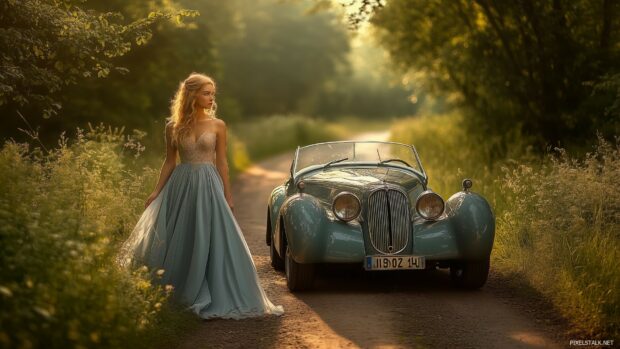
(563, 233)
(558, 217)
(61, 216)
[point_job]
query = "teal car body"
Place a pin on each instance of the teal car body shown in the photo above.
(303, 229)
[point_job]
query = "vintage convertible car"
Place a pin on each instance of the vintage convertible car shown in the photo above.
(369, 203)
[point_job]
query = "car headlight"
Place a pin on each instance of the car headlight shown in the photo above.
(429, 205)
(346, 206)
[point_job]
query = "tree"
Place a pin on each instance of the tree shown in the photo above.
(530, 64)
(281, 56)
(49, 44)
(141, 97)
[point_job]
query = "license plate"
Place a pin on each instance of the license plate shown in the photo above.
(394, 262)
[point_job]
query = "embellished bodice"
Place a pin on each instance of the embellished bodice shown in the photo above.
(200, 151)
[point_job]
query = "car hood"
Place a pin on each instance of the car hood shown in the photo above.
(324, 185)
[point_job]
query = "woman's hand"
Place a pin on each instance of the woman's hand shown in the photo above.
(150, 199)
(230, 204)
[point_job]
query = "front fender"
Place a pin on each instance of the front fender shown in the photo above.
(473, 224)
(304, 219)
(313, 237)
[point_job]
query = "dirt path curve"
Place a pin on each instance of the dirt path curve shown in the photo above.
(350, 309)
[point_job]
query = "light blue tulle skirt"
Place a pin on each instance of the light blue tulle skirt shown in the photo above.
(190, 232)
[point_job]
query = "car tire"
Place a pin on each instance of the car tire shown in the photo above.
(299, 277)
(276, 261)
(470, 275)
(268, 232)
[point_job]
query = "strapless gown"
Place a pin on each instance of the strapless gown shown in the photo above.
(190, 232)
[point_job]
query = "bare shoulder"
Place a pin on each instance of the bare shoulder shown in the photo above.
(220, 124)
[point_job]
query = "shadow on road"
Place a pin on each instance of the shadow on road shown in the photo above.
(417, 309)
(351, 278)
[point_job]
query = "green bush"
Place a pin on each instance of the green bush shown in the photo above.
(237, 154)
(278, 133)
(62, 215)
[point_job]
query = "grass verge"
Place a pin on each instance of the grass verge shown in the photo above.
(558, 216)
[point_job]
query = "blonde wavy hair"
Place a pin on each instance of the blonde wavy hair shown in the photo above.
(183, 109)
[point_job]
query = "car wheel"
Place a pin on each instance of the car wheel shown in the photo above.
(469, 274)
(276, 261)
(299, 277)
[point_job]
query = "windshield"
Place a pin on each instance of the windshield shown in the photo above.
(357, 152)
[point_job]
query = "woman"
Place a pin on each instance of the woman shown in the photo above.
(188, 229)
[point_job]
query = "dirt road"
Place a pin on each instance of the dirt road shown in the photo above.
(350, 309)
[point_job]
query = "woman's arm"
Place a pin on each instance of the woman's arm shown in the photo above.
(167, 167)
(222, 162)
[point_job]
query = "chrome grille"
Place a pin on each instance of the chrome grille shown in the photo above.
(388, 220)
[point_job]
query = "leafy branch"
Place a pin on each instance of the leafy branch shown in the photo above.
(49, 44)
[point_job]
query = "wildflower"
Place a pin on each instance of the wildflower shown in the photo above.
(169, 288)
(43, 312)
(5, 291)
(142, 324)
(157, 305)
(143, 284)
(160, 272)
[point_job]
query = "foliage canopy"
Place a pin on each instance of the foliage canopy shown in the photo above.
(49, 44)
(550, 67)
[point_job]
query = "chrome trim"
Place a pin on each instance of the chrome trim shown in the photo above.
(417, 157)
(381, 217)
(359, 205)
(294, 164)
(429, 192)
(335, 142)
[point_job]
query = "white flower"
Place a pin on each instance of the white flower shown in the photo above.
(5, 291)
